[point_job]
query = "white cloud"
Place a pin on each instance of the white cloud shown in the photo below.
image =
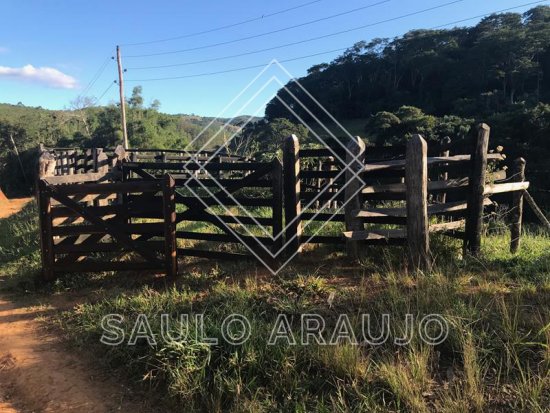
(47, 76)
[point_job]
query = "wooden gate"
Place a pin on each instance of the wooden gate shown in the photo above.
(87, 227)
(221, 202)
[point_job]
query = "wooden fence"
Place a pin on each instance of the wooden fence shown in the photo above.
(404, 199)
(80, 232)
(155, 203)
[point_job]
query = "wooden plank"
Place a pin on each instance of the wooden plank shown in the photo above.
(230, 201)
(447, 226)
(169, 210)
(109, 188)
(375, 234)
(354, 159)
(435, 160)
(491, 189)
(87, 198)
(64, 211)
(78, 178)
(192, 165)
(517, 206)
(110, 228)
(214, 237)
(444, 175)
(145, 228)
(474, 221)
(157, 246)
(292, 198)
(225, 183)
(416, 180)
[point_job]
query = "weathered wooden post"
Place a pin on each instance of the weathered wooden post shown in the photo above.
(355, 157)
(416, 181)
(474, 217)
(444, 175)
(169, 212)
(277, 193)
(46, 238)
(517, 206)
(292, 190)
(46, 164)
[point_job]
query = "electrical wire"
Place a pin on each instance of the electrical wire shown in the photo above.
(96, 76)
(311, 55)
(216, 59)
(97, 100)
(255, 36)
(262, 17)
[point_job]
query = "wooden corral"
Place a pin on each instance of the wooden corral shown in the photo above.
(107, 202)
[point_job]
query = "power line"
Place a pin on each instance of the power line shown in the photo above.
(326, 52)
(216, 59)
(97, 100)
(255, 36)
(96, 76)
(262, 17)
(236, 69)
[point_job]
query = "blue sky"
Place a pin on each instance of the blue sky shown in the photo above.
(50, 50)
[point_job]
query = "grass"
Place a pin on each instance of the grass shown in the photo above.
(496, 356)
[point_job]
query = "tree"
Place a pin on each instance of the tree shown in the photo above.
(136, 101)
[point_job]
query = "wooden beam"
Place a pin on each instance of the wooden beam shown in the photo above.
(474, 221)
(292, 189)
(416, 180)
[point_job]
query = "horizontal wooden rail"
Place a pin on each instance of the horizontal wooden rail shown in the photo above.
(192, 165)
(434, 160)
(492, 189)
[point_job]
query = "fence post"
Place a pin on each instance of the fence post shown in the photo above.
(444, 175)
(169, 212)
(416, 181)
(46, 240)
(355, 156)
(293, 207)
(277, 188)
(474, 216)
(517, 206)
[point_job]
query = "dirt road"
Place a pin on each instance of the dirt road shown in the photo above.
(12, 206)
(38, 374)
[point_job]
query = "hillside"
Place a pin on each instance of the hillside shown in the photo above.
(89, 126)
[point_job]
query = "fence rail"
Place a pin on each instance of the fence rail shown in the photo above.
(162, 204)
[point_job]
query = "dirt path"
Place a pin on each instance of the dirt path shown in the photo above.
(12, 206)
(37, 374)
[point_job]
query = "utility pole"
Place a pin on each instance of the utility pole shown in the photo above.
(122, 100)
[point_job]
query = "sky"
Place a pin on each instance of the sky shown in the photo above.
(52, 51)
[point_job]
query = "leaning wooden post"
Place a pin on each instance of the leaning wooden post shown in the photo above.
(169, 212)
(517, 206)
(46, 239)
(474, 217)
(416, 181)
(355, 157)
(293, 206)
